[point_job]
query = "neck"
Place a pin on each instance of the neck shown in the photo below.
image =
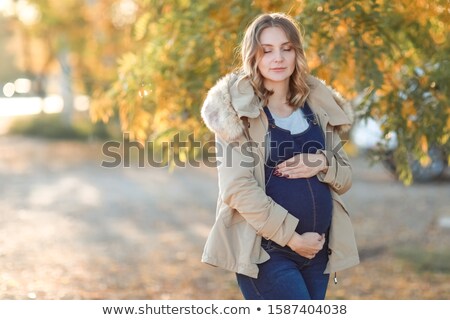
(280, 91)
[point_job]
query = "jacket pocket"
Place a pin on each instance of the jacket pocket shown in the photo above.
(231, 218)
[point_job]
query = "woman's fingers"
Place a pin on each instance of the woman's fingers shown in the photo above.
(297, 172)
(289, 163)
(304, 165)
(311, 244)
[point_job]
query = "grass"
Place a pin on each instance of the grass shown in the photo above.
(52, 126)
(426, 260)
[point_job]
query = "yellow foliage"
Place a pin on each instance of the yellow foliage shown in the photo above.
(424, 144)
(354, 46)
(342, 29)
(367, 38)
(408, 109)
(425, 160)
(314, 60)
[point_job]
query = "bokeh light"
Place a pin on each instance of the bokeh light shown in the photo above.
(81, 103)
(53, 104)
(123, 13)
(145, 90)
(27, 12)
(9, 89)
(22, 85)
(7, 8)
(20, 106)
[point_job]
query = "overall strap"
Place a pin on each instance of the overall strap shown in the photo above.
(309, 114)
(269, 115)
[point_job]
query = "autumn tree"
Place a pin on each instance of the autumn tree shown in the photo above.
(389, 58)
(150, 62)
(183, 49)
(394, 54)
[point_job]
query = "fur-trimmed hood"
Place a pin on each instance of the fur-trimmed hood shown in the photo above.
(233, 97)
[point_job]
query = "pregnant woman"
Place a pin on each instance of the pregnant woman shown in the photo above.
(281, 225)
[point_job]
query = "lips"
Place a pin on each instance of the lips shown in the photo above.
(278, 69)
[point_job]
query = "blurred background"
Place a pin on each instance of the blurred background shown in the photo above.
(77, 74)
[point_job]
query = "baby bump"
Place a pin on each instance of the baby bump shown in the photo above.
(308, 199)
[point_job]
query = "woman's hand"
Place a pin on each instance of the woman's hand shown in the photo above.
(307, 244)
(303, 165)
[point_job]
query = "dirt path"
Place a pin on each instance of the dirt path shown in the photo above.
(71, 229)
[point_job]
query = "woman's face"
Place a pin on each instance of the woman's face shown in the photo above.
(278, 60)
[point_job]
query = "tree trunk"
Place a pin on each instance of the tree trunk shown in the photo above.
(66, 87)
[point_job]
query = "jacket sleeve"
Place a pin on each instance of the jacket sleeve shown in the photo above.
(339, 174)
(239, 189)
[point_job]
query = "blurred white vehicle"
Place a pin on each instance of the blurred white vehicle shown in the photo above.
(368, 136)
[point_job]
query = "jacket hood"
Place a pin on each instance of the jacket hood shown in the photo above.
(232, 97)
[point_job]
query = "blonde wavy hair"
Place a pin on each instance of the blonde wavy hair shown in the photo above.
(251, 53)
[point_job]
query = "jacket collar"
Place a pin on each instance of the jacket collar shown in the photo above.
(334, 107)
(232, 98)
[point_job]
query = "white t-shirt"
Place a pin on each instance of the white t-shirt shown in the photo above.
(295, 123)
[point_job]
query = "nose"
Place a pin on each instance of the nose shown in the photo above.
(279, 56)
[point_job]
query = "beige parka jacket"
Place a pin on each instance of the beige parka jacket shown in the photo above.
(244, 212)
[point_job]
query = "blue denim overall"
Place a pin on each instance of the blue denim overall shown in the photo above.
(306, 198)
(287, 275)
